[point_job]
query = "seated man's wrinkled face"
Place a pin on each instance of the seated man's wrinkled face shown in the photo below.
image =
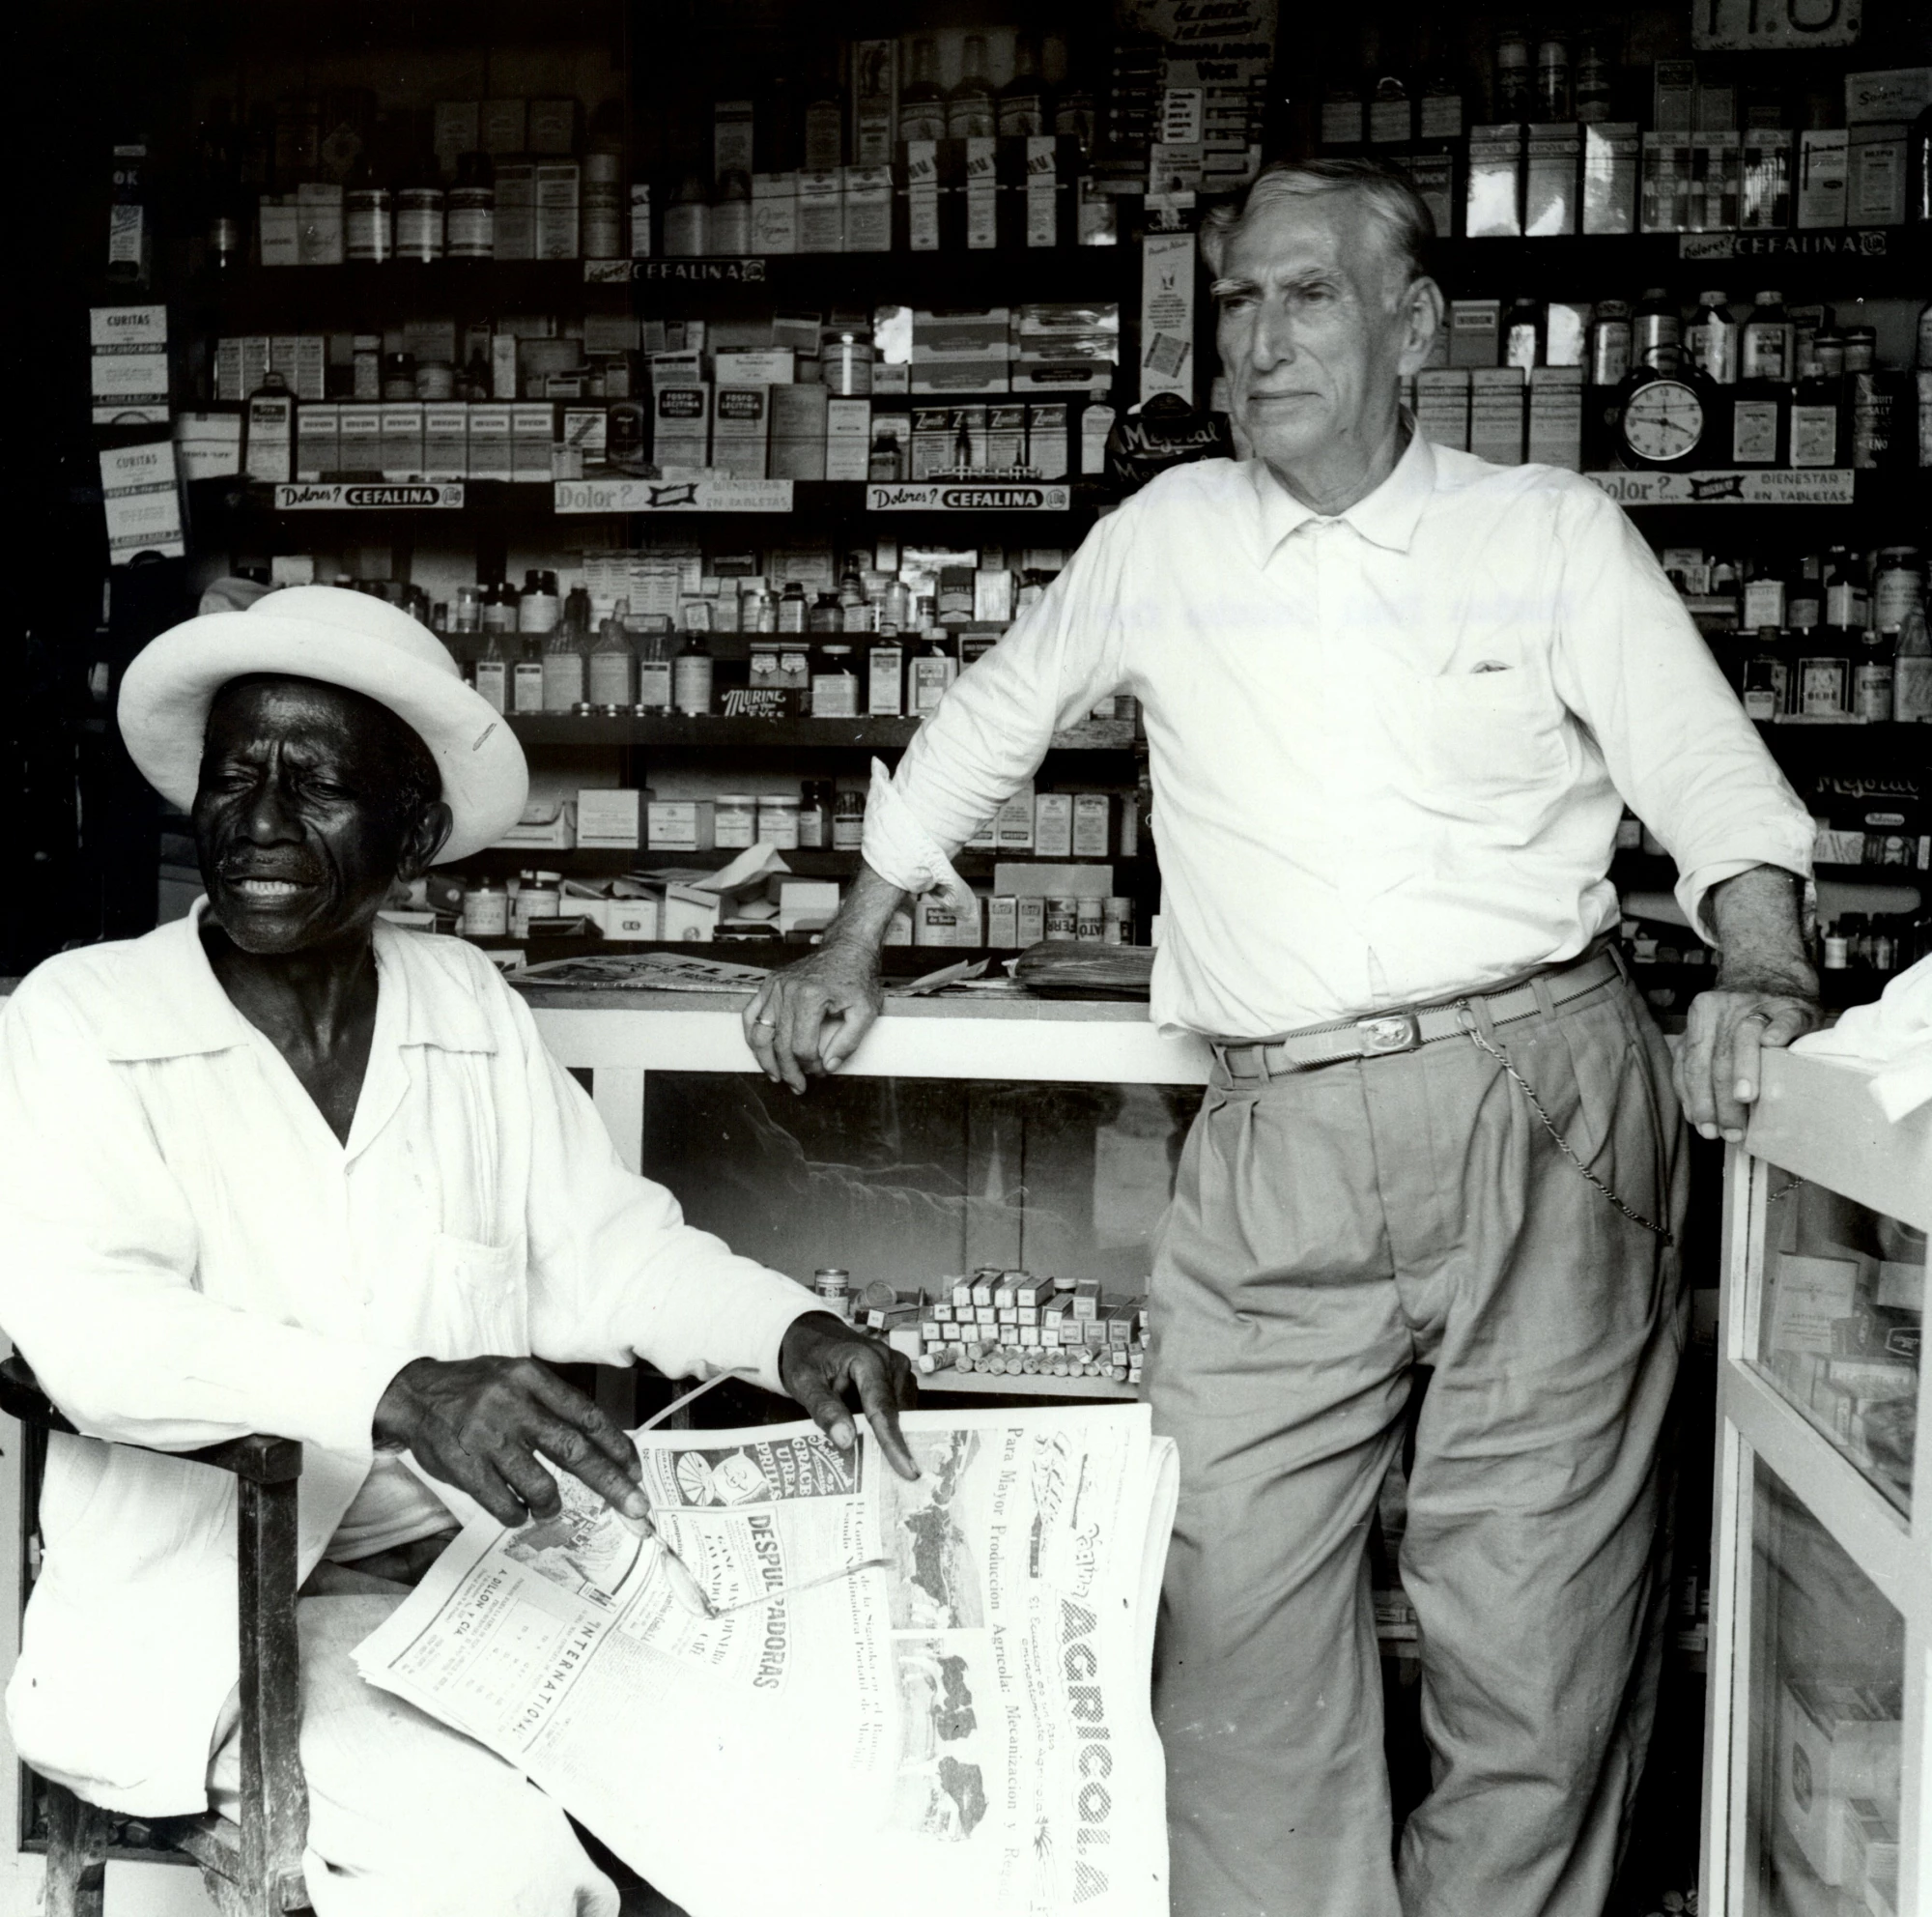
(302, 820)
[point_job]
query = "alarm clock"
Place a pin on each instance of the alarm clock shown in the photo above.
(1663, 423)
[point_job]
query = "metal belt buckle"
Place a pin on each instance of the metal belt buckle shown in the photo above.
(1392, 1031)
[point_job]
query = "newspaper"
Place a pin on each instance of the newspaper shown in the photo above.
(937, 1689)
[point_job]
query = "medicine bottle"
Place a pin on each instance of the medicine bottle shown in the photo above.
(692, 676)
(612, 675)
(654, 672)
(793, 611)
(834, 683)
(814, 814)
(604, 208)
(846, 356)
(538, 896)
(493, 673)
(728, 229)
(687, 220)
(471, 211)
(485, 911)
(564, 675)
(368, 216)
(734, 821)
(539, 607)
(827, 615)
(778, 816)
(848, 822)
(420, 214)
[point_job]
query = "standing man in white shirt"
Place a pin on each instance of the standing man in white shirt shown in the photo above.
(1395, 699)
(281, 1167)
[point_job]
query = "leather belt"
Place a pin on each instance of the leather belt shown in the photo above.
(1382, 1033)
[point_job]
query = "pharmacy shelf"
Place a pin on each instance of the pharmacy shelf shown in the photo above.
(986, 1385)
(253, 299)
(814, 501)
(1849, 262)
(829, 736)
(598, 862)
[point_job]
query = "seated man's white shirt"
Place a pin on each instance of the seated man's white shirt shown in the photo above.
(1390, 748)
(194, 1255)
(392, 1509)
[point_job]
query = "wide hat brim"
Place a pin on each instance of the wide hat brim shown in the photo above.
(168, 688)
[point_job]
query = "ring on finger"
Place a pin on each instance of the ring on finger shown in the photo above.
(761, 1019)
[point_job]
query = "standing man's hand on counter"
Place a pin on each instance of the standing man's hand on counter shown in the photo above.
(808, 1020)
(1766, 995)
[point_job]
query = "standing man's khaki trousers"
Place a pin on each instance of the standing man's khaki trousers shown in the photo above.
(1331, 1229)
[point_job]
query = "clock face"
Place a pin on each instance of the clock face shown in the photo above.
(1662, 421)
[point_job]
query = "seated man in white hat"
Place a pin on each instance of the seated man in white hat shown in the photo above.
(281, 1167)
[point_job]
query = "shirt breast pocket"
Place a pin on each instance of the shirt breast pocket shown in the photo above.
(478, 1298)
(1481, 736)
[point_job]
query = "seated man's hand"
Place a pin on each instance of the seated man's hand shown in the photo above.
(809, 1019)
(482, 1424)
(1717, 1068)
(823, 1358)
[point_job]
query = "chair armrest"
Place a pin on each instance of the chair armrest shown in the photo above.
(261, 1460)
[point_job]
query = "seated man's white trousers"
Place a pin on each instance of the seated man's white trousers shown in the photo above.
(406, 1817)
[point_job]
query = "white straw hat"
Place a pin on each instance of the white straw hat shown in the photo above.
(344, 638)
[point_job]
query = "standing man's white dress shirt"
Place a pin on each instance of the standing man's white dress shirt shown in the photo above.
(191, 1255)
(1389, 748)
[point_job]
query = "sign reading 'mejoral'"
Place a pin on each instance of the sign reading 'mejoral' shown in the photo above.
(965, 496)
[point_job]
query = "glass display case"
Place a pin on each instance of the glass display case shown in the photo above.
(1816, 1777)
(1015, 1133)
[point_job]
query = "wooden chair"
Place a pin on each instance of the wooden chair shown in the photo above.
(253, 1868)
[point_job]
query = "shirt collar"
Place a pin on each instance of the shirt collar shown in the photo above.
(1386, 517)
(185, 1010)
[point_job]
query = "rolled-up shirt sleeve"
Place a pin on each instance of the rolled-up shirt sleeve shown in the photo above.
(616, 1272)
(998, 718)
(1687, 762)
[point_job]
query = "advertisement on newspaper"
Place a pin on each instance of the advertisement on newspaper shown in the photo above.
(810, 1676)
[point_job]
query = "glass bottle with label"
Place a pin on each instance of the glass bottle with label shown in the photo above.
(1764, 676)
(835, 682)
(1552, 78)
(1595, 80)
(1806, 602)
(1712, 339)
(539, 605)
(921, 99)
(794, 610)
(825, 614)
(527, 678)
(493, 671)
(728, 232)
(1873, 669)
(469, 214)
(1022, 108)
(691, 676)
(815, 816)
(972, 113)
(934, 669)
(1912, 670)
(1761, 405)
(611, 672)
(368, 214)
(1391, 106)
(421, 213)
(1523, 335)
(1817, 405)
(1847, 598)
(564, 678)
(654, 672)
(1764, 350)
(1655, 326)
(1514, 92)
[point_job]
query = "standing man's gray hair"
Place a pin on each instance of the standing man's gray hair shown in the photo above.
(1406, 225)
